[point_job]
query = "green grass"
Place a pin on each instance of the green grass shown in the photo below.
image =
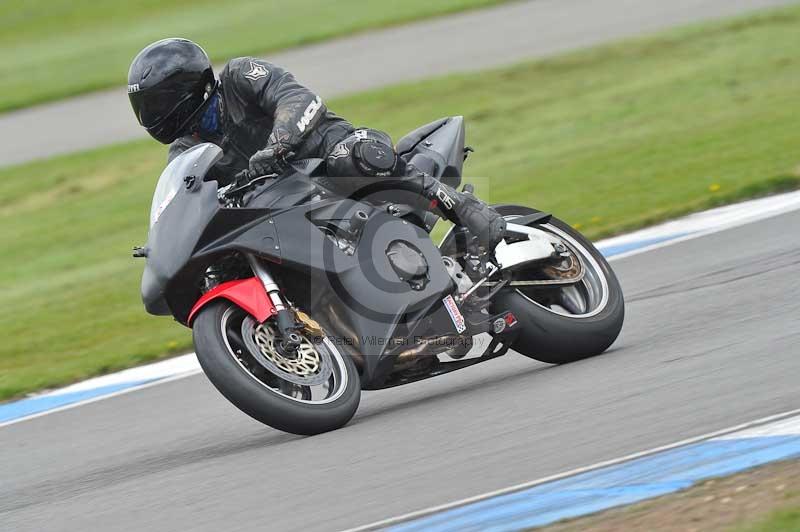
(787, 520)
(609, 139)
(50, 49)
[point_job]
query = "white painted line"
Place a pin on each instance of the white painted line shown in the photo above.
(157, 370)
(705, 223)
(725, 216)
(99, 398)
(787, 427)
(477, 498)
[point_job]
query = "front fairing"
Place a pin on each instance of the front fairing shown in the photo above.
(183, 204)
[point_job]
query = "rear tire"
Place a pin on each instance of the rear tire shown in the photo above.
(557, 338)
(253, 397)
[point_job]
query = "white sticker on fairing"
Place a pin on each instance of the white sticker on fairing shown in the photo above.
(256, 72)
(308, 114)
(455, 314)
(163, 205)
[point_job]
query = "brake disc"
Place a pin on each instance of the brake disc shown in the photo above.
(310, 367)
(570, 269)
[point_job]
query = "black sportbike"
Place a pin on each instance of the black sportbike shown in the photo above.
(299, 296)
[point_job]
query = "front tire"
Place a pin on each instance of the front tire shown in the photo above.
(262, 395)
(552, 333)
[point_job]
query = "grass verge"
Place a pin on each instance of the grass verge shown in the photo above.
(51, 49)
(609, 139)
(764, 499)
(786, 520)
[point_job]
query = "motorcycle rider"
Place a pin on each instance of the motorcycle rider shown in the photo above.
(261, 117)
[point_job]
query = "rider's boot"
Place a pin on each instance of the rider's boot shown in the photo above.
(463, 208)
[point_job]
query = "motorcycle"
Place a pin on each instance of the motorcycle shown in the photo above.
(299, 297)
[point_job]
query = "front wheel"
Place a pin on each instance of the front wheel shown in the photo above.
(314, 391)
(565, 323)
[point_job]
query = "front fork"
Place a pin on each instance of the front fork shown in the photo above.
(284, 318)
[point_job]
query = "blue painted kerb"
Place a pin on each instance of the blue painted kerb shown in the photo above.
(608, 487)
(37, 405)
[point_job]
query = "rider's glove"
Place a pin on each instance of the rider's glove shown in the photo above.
(270, 160)
(274, 158)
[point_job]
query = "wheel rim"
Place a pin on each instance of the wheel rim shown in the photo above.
(584, 299)
(330, 389)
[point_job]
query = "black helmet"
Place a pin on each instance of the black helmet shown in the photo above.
(169, 83)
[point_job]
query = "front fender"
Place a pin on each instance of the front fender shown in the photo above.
(249, 294)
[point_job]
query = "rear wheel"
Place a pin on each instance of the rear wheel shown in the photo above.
(315, 390)
(564, 323)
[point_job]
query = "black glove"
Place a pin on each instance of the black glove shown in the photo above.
(270, 160)
(274, 158)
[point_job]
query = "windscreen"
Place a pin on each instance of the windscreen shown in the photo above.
(195, 161)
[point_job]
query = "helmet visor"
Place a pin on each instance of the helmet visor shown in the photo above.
(164, 110)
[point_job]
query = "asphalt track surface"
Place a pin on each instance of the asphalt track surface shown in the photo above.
(711, 339)
(464, 42)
